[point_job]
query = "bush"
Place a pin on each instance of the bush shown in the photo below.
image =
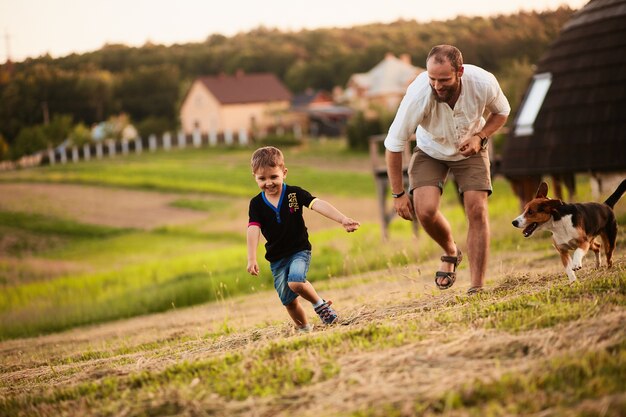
(153, 125)
(279, 141)
(80, 135)
(361, 128)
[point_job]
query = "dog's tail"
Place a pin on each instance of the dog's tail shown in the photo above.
(617, 194)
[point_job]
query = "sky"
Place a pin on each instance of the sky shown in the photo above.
(31, 28)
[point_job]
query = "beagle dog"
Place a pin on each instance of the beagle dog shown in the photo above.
(574, 227)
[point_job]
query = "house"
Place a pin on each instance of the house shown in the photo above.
(317, 112)
(251, 102)
(572, 118)
(382, 86)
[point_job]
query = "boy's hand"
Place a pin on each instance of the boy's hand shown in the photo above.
(349, 224)
(253, 268)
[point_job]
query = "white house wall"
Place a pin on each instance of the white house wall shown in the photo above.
(202, 110)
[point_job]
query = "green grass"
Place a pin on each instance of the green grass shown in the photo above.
(557, 385)
(127, 272)
(47, 225)
(558, 304)
(158, 278)
(212, 171)
(200, 205)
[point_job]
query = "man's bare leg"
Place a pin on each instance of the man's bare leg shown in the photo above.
(426, 201)
(477, 212)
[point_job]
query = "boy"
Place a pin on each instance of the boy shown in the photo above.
(277, 213)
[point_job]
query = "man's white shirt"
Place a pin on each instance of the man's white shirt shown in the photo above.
(439, 129)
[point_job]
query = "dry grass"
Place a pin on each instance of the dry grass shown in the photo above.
(432, 359)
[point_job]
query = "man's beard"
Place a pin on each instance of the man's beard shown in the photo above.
(448, 92)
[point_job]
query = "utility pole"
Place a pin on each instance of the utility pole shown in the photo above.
(7, 40)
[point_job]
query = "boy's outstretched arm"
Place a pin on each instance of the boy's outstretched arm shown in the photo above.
(253, 236)
(328, 210)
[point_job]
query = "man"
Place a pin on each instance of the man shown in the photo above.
(444, 108)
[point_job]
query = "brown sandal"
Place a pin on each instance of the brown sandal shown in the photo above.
(451, 276)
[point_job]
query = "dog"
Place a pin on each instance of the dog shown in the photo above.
(573, 226)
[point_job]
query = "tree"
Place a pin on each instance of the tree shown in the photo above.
(29, 141)
(149, 92)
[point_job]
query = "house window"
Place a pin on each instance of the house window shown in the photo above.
(532, 104)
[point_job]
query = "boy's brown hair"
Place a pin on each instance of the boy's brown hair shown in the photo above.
(267, 156)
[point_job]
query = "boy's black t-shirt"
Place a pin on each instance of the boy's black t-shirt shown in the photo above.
(283, 228)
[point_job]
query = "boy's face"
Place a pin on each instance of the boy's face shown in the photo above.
(270, 179)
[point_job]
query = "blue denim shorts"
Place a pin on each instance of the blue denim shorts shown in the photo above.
(290, 269)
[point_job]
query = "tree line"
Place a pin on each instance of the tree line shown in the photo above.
(45, 100)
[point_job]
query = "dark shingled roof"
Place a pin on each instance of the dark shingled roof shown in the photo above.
(581, 125)
(246, 88)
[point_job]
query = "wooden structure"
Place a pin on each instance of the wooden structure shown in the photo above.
(572, 118)
(383, 193)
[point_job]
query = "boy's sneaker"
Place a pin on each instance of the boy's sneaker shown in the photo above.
(308, 328)
(326, 313)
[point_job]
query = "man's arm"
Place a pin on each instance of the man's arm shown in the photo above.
(493, 123)
(471, 145)
(402, 205)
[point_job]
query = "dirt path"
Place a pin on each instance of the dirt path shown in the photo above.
(97, 205)
(146, 210)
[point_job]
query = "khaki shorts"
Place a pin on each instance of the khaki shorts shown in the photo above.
(470, 174)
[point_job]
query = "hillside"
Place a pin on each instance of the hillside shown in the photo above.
(124, 293)
(532, 345)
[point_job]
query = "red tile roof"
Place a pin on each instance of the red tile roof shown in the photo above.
(246, 88)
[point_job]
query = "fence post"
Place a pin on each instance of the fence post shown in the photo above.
(197, 138)
(51, 156)
(167, 141)
(297, 131)
(243, 137)
(138, 145)
(86, 152)
(111, 147)
(99, 150)
(63, 155)
(152, 142)
(212, 138)
(124, 147)
(228, 137)
(181, 140)
(74, 154)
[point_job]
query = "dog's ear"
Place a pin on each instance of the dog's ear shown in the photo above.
(550, 207)
(542, 191)
(553, 204)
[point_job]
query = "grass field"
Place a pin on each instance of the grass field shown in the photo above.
(124, 293)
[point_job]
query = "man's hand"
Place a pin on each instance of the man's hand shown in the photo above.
(470, 146)
(404, 207)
